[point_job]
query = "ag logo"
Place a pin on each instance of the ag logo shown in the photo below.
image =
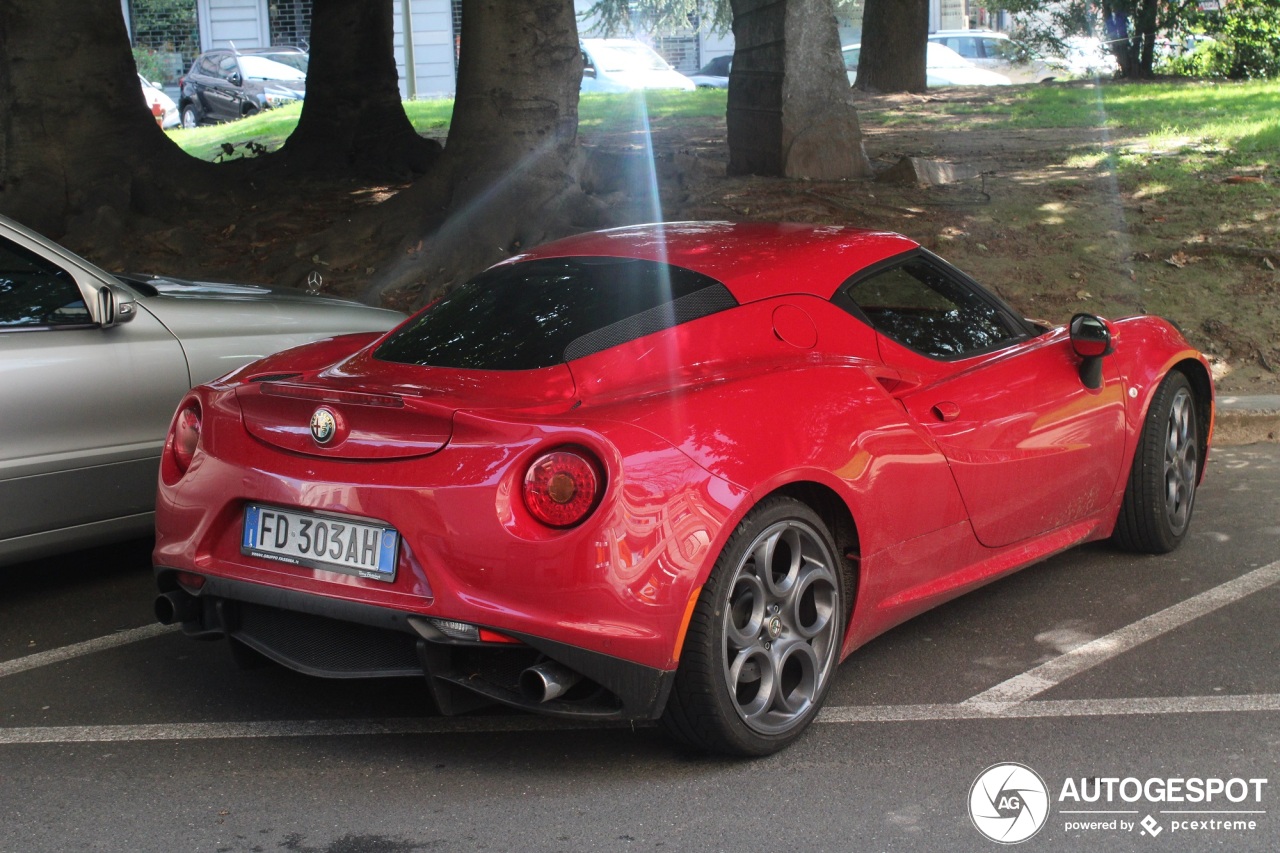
(323, 425)
(1008, 803)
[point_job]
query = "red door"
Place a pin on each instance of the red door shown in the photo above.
(1032, 449)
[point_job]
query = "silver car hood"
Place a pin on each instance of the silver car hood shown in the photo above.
(222, 326)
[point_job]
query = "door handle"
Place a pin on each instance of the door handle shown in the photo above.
(946, 411)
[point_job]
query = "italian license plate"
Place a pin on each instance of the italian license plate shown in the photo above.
(330, 542)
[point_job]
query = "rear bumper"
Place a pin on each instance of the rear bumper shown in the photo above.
(333, 638)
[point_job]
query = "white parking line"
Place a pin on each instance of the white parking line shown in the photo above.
(1011, 699)
(120, 638)
(853, 714)
(1022, 687)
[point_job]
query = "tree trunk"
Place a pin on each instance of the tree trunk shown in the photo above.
(1131, 27)
(507, 178)
(894, 38)
(353, 118)
(790, 112)
(79, 149)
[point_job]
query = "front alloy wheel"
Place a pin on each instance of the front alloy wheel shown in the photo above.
(1161, 492)
(765, 637)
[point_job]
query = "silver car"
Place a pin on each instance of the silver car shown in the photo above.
(91, 368)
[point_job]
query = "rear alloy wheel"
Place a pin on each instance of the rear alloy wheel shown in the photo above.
(765, 636)
(1161, 491)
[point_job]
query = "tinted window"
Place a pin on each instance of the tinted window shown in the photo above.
(544, 312)
(921, 307)
(227, 67)
(34, 292)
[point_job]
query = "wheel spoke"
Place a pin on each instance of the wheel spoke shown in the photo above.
(753, 682)
(745, 617)
(777, 561)
(1180, 462)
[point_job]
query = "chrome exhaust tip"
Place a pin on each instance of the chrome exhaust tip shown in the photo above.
(546, 681)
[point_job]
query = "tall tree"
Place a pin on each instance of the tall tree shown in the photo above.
(353, 117)
(77, 141)
(790, 112)
(895, 34)
(507, 178)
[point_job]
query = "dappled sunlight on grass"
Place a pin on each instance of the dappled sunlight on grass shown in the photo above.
(1150, 190)
(1055, 212)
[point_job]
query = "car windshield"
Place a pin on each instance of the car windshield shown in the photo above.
(294, 60)
(261, 68)
(544, 312)
(941, 56)
(628, 57)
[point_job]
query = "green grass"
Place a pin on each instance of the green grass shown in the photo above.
(1202, 119)
(595, 112)
(269, 128)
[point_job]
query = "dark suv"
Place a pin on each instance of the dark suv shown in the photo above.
(227, 84)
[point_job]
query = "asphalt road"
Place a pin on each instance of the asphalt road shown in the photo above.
(1159, 674)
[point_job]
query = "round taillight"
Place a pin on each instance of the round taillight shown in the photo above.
(561, 488)
(186, 435)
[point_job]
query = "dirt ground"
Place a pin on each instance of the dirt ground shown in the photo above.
(1042, 220)
(1039, 221)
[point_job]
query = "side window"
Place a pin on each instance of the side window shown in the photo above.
(587, 64)
(227, 67)
(1004, 49)
(966, 47)
(36, 293)
(920, 307)
(208, 67)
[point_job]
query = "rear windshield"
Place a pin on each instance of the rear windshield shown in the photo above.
(544, 312)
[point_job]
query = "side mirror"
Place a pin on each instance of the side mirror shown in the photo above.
(235, 79)
(1091, 340)
(115, 306)
(589, 72)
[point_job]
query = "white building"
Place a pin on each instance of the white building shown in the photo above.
(427, 57)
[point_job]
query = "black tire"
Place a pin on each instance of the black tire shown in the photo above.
(1161, 492)
(190, 116)
(764, 640)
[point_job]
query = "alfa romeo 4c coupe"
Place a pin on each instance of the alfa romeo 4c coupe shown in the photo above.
(667, 472)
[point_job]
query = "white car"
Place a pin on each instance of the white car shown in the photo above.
(155, 97)
(1001, 54)
(1088, 57)
(943, 67)
(625, 65)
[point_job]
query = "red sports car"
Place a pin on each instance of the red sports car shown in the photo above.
(669, 472)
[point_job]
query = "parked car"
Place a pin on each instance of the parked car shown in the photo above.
(943, 67)
(715, 74)
(666, 471)
(625, 65)
(1001, 54)
(1085, 56)
(228, 84)
(160, 104)
(91, 366)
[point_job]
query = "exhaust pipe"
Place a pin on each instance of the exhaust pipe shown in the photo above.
(546, 681)
(176, 606)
